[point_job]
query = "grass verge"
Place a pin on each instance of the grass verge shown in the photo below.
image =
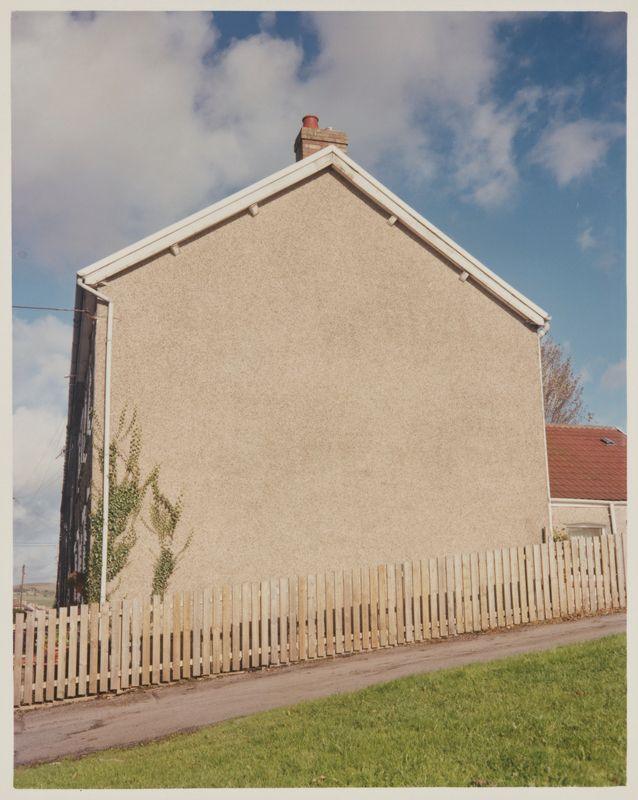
(556, 718)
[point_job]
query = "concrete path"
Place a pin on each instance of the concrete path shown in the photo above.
(73, 729)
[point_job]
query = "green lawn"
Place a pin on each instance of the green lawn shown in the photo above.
(550, 719)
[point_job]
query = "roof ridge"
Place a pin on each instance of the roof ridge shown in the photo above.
(588, 427)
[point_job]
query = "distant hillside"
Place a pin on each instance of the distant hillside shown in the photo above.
(39, 594)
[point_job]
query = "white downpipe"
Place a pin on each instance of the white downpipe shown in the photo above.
(612, 517)
(107, 432)
(540, 333)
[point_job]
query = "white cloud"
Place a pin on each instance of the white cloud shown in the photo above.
(586, 240)
(571, 150)
(41, 360)
(140, 118)
(615, 376)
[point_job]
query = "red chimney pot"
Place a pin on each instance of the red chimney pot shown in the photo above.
(310, 121)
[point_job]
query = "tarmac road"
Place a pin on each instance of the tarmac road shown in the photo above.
(73, 729)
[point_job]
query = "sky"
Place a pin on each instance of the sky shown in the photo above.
(507, 131)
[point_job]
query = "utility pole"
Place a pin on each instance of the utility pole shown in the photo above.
(22, 585)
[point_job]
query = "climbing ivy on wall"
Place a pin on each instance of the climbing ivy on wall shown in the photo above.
(127, 490)
(164, 517)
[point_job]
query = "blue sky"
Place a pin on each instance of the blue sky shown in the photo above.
(507, 131)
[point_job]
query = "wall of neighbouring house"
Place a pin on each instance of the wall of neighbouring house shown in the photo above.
(595, 514)
(76, 490)
(324, 391)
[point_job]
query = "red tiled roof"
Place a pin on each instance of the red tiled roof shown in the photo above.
(582, 466)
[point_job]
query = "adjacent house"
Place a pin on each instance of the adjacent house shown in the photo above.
(306, 375)
(588, 479)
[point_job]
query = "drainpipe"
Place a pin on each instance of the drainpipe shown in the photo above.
(540, 333)
(107, 433)
(612, 517)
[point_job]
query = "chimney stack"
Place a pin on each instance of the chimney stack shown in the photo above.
(312, 138)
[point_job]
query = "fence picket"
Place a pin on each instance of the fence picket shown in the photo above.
(18, 643)
(196, 647)
(426, 618)
(569, 577)
(255, 600)
(375, 642)
(500, 595)
(136, 621)
(104, 634)
(449, 589)
(146, 643)
(399, 589)
(507, 586)
(529, 583)
(29, 658)
(274, 621)
(467, 593)
(619, 543)
(227, 619)
(538, 582)
(604, 564)
(514, 577)
(485, 620)
(408, 592)
(293, 601)
(116, 645)
(83, 654)
(347, 611)
(600, 591)
(365, 608)
(591, 576)
(156, 638)
(416, 601)
(458, 595)
(356, 610)
(176, 637)
(491, 593)
(392, 609)
(475, 590)
(303, 617)
(167, 625)
(562, 584)
(51, 630)
(284, 612)
(613, 572)
(216, 642)
(245, 625)
(40, 616)
(187, 648)
(73, 651)
(442, 575)
(383, 604)
(338, 592)
(125, 657)
(312, 616)
(94, 648)
(235, 627)
(578, 591)
(522, 584)
(321, 615)
(60, 684)
(207, 621)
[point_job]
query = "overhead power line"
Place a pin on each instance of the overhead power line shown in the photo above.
(56, 308)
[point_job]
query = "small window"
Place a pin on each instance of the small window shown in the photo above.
(585, 530)
(606, 440)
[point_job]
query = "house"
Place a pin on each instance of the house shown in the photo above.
(310, 375)
(588, 479)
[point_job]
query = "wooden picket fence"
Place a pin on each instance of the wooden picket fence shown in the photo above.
(90, 649)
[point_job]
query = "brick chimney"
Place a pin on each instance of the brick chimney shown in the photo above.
(312, 138)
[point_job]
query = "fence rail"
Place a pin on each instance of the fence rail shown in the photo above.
(90, 649)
